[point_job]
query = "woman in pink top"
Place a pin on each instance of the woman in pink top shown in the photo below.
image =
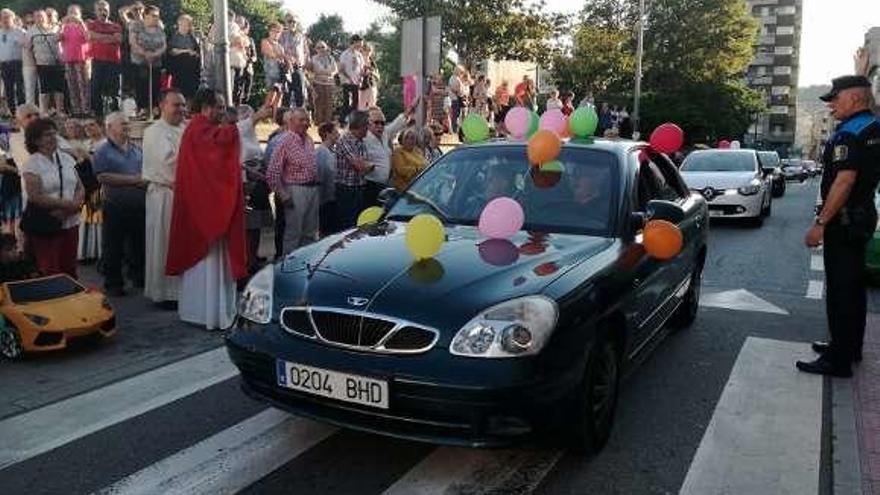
(74, 54)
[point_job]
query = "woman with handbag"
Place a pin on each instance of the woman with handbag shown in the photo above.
(53, 200)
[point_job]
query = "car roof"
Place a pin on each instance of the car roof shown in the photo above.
(724, 150)
(604, 144)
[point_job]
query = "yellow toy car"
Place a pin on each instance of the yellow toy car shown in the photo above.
(41, 314)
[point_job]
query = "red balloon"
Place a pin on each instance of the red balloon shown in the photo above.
(667, 138)
(723, 144)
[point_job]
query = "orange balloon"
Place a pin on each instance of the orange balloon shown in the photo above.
(544, 146)
(663, 240)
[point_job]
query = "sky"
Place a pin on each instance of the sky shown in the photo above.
(832, 30)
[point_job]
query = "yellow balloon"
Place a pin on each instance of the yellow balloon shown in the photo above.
(424, 236)
(370, 215)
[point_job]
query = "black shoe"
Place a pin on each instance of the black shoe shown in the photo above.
(824, 366)
(820, 347)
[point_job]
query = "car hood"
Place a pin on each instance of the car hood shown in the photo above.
(717, 180)
(371, 269)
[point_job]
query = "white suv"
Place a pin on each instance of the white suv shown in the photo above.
(732, 182)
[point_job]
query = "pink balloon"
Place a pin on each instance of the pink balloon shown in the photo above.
(723, 144)
(667, 138)
(517, 122)
(554, 120)
(501, 218)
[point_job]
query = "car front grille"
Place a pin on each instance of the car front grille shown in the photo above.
(357, 330)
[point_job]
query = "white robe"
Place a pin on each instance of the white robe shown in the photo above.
(207, 291)
(161, 144)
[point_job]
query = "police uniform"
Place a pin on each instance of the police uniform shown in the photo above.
(855, 145)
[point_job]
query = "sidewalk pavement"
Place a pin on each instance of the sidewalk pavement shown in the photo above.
(866, 394)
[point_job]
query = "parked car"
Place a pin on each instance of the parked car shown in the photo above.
(489, 341)
(732, 181)
(811, 168)
(43, 314)
(770, 163)
(793, 171)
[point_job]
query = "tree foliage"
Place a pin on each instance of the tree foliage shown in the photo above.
(695, 55)
(387, 45)
(331, 30)
(488, 29)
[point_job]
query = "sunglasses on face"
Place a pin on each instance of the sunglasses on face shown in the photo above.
(379, 122)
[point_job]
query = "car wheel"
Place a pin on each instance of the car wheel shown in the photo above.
(10, 342)
(686, 312)
(596, 399)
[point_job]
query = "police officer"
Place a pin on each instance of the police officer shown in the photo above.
(845, 222)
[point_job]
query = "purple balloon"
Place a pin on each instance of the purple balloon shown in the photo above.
(554, 120)
(517, 122)
(501, 218)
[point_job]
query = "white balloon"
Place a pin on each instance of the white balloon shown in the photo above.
(734, 145)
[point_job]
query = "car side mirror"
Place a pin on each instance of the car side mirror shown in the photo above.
(658, 209)
(388, 196)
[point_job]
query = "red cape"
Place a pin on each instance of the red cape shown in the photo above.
(208, 198)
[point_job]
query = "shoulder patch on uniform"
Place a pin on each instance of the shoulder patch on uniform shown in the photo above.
(858, 124)
(841, 152)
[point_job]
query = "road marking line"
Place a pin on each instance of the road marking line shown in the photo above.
(33, 433)
(451, 470)
(815, 289)
(765, 433)
(740, 300)
(817, 263)
(229, 461)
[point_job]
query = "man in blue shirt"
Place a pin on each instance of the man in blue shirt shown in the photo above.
(118, 164)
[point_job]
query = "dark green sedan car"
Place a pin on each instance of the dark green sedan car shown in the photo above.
(491, 340)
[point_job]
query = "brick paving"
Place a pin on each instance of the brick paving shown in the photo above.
(866, 391)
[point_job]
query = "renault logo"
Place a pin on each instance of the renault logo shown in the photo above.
(708, 193)
(357, 301)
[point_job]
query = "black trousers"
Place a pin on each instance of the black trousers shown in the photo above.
(143, 86)
(124, 225)
(349, 101)
(846, 297)
(280, 225)
(105, 82)
(14, 83)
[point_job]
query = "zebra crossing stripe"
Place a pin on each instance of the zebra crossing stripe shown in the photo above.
(39, 431)
(229, 461)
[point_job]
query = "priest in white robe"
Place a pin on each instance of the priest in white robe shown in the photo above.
(161, 145)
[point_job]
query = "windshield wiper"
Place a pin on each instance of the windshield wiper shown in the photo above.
(417, 198)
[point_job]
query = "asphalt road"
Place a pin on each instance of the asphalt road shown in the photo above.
(665, 406)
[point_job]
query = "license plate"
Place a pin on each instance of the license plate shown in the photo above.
(333, 384)
(716, 213)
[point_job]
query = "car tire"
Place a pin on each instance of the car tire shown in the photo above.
(757, 221)
(595, 400)
(779, 190)
(10, 343)
(686, 312)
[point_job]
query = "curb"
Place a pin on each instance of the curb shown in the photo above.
(846, 465)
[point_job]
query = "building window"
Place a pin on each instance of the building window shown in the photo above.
(777, 129)
(784, 30)
(779, 110)
(782, 70)
(784, 50)
(761, 70)
(781, 90)
(786, 10)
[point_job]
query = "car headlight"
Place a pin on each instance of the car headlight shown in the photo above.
(37, 320)
(750, 189)
(255, 303)
(519, 327)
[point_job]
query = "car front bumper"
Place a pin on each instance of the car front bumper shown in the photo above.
(736, 205)
(421, 408)
(35, 339)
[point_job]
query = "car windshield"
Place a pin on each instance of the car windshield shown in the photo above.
(578, 198)
(769, 159)
(719, 161)
(43, 289)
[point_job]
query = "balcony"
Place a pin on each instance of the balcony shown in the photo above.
(761, 81)
(763, 59)
(767, 39)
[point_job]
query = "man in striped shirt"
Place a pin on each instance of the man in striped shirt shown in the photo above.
(351, 167)
(293, 175)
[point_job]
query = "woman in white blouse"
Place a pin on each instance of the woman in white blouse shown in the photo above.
(51, 183)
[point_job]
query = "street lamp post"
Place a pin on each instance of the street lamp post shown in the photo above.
(222, 72)
(639, 51)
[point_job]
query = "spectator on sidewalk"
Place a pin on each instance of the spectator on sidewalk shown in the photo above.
(293, 176)
(244, 80)
(274, 61)
(74, 37)
(380, 144)
(105, 50)
(293, 39)
(326, 161)
(845, 223)
(11, 45)
(502, 101)
(324, 69)
(148, 46)
(185, 58)
(351, 72)
(351, 166)
(282, 118)
(407, 161)
(368, 94)
(553, 101)
(28, 63)
(161, 146)
(431, 136)
(42, 40)
(51, 183)
(118, 165)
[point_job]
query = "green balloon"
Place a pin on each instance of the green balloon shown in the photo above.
(583, 122)
(554, 166)
(475, 128)
(534, 123)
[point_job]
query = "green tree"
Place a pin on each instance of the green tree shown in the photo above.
(330, 30)
(488, 29)
(386, 43)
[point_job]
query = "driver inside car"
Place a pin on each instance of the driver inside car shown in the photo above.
(500, 181)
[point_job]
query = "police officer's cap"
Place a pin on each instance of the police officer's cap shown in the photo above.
(845, 82)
